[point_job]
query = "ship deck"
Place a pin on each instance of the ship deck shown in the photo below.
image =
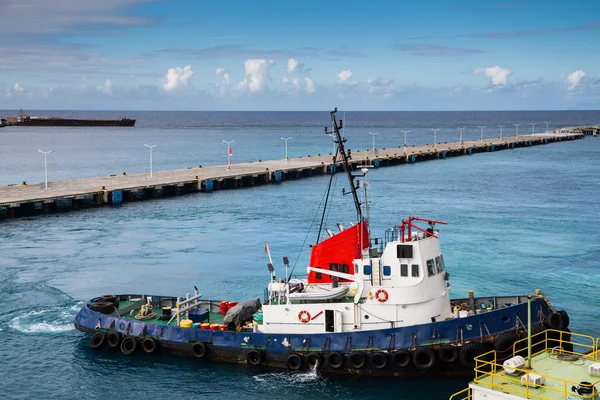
(128, 310)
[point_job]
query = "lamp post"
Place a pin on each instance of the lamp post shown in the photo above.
(286, 153)
(547, 123)
(45, 153)
(150, 147)
(229, 153)
(481, 139)
(532, 128)
(517, 125)
(373, 134)
(461, 130)
(405, 132)
(434, 136)
(501, 126)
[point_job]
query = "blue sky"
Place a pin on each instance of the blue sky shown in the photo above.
(309, 55)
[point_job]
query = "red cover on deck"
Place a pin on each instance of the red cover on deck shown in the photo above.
(341, 250)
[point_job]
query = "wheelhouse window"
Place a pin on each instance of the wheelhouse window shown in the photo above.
(318, 275)
(415, 270)
(343, 268)
(430, 268)
(387, 270)
(403, 269)
(333, 267)
(439, 264)
(367, 270)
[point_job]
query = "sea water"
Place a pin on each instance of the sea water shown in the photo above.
(517, 220)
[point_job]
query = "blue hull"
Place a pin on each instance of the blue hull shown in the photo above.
(269, 349)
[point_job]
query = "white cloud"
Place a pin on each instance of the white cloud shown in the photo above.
(177, 78)
(220, 71)
(7, 93)
(498, 74)
(310, 86)
(18, 87)
(344, 76)
(575, 77)
(292, 65)
(257, 75)
(106, 88)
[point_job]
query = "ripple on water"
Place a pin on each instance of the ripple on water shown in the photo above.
(51, 320)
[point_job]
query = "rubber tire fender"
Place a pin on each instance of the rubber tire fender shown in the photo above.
(565, 320)
(448, 353)
(378, 360)
(97, 341)
(423, 358)
(113, 339)
(199, 350)
(294, 362)
(110, 299)
(468, 353)
(128, 345)
(401, 358)
(254, 357)
(335, 360)
(357, 359)
(503, 344)
(554, 321)
(104, 307)
(149, 345)
(314, 360)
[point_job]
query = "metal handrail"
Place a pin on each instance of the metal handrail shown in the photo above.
(466, 391)
(593, 347)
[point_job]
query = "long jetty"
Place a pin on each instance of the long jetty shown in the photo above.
(32, 199)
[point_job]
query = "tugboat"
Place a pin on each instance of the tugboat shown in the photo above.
(367, 306)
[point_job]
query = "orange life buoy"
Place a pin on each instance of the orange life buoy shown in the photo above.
(381, 295)
(304, 316)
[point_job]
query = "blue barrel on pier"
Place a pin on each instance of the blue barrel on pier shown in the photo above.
(512, 145)
(278, 176)
(493, 148)
(208, 187)
(413, 158)
(530, 142)
(376, 163)
(470, 150)
(117, 197)
(444, 155)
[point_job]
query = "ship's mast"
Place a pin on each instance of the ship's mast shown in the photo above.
(339, 140)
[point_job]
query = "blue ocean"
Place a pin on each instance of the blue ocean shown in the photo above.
(518, 220)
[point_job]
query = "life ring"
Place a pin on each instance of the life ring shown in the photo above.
(335, 360)
(199, 349)
(114, 339)
(378, 360)
(468, 353)
(304, 316)
(401, 358)
(314, 360)
(149, 345)
(254, 357)
(448, 353)
(294, 362)
(356, 359)
(128, 345)
(97, 341)
(423, 358)
(381, 295)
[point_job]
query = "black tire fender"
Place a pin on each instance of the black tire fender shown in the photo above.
(254, 357)
(199, 349)
(378, 360)
(104, 307)
(97, 341)
(114, 339)
(554, 321)
(423, 358)
(128, 345)
(448, 353)
(469, 351)
(401, 358)
(357, 359)
(149, 345)
(335, 360)
(294, 362)
(314, 360)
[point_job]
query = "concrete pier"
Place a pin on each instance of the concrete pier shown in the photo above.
(23, 200)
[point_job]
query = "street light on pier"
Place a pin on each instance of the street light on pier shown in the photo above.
(501, 126)
(547, 123)
(461, 130)
(532, 128)
(481, 139)
(45, 153)
(286, 153)
(517, 125)
(229, 153)
(150, 147)
(405, 132)
(373, 134)
(435, 136)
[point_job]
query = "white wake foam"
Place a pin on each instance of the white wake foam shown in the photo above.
(47, 320)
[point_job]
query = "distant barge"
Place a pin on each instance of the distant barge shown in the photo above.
(26, 120)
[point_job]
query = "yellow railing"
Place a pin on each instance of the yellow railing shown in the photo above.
(465, 392)
(489, 373)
